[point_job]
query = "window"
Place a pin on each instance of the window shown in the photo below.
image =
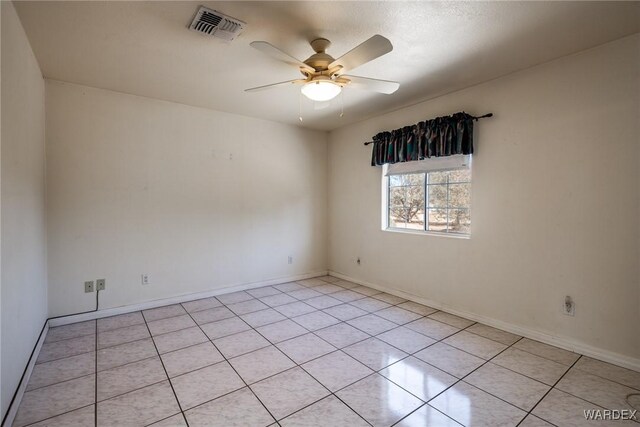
(433, 195)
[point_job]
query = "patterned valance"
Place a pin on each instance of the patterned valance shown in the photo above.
(442, 136)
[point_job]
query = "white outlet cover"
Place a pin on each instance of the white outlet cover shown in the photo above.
(146, 279)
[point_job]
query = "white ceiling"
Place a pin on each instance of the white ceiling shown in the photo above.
(145, 48)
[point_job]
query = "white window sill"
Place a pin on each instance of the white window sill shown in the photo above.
(428, 233)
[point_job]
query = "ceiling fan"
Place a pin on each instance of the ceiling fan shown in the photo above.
(324, 76)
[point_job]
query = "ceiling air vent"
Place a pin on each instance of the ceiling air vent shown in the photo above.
(216, 24)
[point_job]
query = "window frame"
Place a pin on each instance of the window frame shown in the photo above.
(386, 193)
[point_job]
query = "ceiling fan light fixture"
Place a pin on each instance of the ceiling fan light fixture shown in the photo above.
(321, 90)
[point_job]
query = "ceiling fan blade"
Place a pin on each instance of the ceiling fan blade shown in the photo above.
(273, 85)
(367, 51)
(376, 85)
(274, 52)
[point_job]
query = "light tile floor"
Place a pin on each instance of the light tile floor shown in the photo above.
(318, 352)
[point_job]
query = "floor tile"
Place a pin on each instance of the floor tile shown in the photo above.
(494, 334)
(212, 315)
(364, 290)
(125, 353)
(370, 304)
(547, 351)
(347, 296)
(234, 297)
(170, 324)
(250, 306)
(281, 331)
(389, 298)
(173, 421)
(179, 339)
(311, 282)
(532, 366)
(205, 384)
(74, 330)
(305, 293)
(56, 371)
(328, 288)
(602, 392)
(140, 407)
(330, 411)
(262, 317)
(201, 304)
(432, 328)
(405, 339)
(55, 399)
(533, 421)
(336, 370)
(328, 279)
(122, 335)
(294, 309)
(427, 416)
(80, 417)
(372, 324)
(374, 353)
(423, 310)
(288, 392)
(225, 327)
(238, 409)
(289, 287)
(277, 300)
(341, 335)
(305, 347)
(266, 291)
(419, 378)
(260, 364)
(450, 319)
(344, 283)
(398, 315)
(471, 406)
(509, 386)
(324, 301)
(120, 321)
(316, 320)
(611, 372)
(126, 378)
(562, 409)
(190, 359)
(475, 344)
(241, 343)
(163, 312)
(66, 348)
(378, 400)
(449, 359)
(345, 312)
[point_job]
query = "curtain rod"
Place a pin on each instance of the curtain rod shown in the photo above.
(472, 118)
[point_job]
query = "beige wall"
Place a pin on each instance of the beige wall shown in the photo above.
(23, 293)
(195, 198)
(555, 203)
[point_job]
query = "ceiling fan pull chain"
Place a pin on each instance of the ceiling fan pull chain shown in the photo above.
(300, 106)
(341, 104)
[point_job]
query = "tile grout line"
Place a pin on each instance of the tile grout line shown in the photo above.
(164, 368)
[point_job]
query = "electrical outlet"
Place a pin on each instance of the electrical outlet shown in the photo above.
(145, 279)
(569, 307)
(290, 259)
(88, 286)
(100, 284)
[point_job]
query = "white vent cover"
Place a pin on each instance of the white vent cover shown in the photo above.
(216, 24)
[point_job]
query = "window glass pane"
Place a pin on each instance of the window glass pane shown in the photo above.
(397, 217)
(397, 196)
(460, 175)
(459, 221)
(437, 220)
(459, 195)
(437, 196)
(438, 177)
(395, 180)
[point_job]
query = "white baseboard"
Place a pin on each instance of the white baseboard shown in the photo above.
(558, 341)
(13, 409)
(179, 298)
